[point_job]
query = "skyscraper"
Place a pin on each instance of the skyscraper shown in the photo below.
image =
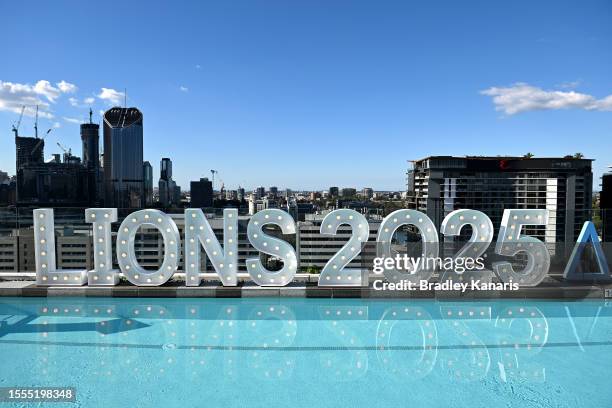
(123, 158)
(28, 150)
(90, 140)
(165, 168)
(260, 192)
(147, 176)
(169, 193)
(202, 193)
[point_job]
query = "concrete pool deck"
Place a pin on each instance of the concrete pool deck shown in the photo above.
(551, 288)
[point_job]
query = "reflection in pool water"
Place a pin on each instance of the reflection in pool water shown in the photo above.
(310, 352)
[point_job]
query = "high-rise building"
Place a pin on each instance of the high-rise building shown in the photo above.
(165, 169)
(299, 209)
(166, 190)
(123, 158)
(605, 203)
(367, 193)
(8, 189)
(273, 193)
(348, 192)
(260, 204)
(147, 177)
(169, 192)
(202, 193)
(231, 195)
(90, 140)
(4, 177)
(333, 192)
(259, 192)
(314, 195)
(438, 185)
(176, 199)
(56, 184)
(28, 150)
(240, 194)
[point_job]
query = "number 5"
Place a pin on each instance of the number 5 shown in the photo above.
(510, 242)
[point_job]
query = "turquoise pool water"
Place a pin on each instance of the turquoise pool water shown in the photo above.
(309, 352)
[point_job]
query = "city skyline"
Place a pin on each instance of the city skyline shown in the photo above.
(229, 92)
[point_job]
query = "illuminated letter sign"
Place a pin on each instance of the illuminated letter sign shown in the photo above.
(126, 254)
(271, 246)
(103, 272)
(44, 245)
(224, 260)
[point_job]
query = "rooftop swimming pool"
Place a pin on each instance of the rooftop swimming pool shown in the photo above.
(275, 352)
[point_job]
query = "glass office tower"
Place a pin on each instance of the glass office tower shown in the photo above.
(123, 158)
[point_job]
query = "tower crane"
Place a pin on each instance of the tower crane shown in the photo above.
(16, 124)
(36, 124)
(42, 139)
(67, 151)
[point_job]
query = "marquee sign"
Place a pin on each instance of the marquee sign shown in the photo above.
(224, 259)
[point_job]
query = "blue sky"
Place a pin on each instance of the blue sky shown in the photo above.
(308, 94)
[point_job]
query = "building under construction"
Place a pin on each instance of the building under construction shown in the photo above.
(57, 182)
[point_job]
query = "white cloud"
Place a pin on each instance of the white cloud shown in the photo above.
(14, 95)
(570, 84)
(522, 97)
(72, 120)
(66, 87)
(80, 104)
(57, 125)
(184, 89)
(198, 66)
(111, 96)
(45, 88)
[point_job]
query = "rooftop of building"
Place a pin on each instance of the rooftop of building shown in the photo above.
(504, 163)
(117, 117)
(569, 157)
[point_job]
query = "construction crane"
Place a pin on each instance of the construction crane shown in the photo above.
(67, 151)
(36, 124)
(42, 139)
(16, 124)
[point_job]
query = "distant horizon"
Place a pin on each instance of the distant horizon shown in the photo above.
(323, 189)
